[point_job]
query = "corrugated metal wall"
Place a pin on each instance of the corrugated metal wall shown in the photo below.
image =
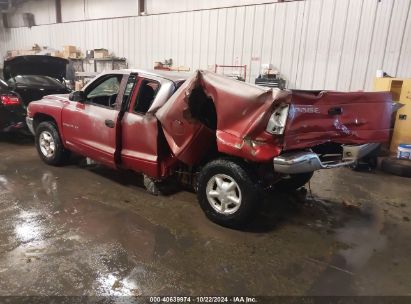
(316, 44)
(167, 6)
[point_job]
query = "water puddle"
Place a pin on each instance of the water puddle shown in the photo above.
(360, 237)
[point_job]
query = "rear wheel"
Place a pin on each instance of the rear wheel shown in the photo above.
(226, 193)
(49, 145)
(292, 182)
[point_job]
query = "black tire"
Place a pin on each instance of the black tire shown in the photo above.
(293, 182)
(398, 167)
(60, 155)
(246, 189)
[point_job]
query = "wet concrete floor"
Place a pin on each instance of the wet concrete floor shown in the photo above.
(79, 230)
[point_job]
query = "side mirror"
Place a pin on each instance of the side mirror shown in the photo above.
(78, 96)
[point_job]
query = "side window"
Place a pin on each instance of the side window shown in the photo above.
(105, 93)
(146, 95)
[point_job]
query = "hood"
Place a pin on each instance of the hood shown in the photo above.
(35, 65)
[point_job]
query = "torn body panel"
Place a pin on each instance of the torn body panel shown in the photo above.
(188, 138)
(246, 118)
(242, 112)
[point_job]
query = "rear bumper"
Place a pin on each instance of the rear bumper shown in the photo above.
(305, 161)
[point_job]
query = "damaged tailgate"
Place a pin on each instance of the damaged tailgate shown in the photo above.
(345, 118)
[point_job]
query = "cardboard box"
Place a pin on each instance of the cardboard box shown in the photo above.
(57, 54)
(27, 52)
(69, 49)
(180, 69)
(100, 53)
(69, 55)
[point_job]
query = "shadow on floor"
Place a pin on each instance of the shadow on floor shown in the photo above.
(19, 138)
(277, 208)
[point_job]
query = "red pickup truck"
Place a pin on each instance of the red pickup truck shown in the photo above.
(226, 138)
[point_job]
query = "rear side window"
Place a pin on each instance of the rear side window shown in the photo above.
(147, 93)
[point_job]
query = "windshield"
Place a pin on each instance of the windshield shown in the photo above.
(35, 80)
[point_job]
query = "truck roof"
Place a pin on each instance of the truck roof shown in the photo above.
(170, 75)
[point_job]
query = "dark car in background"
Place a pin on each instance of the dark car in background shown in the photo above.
(35, 76)
(12, 113)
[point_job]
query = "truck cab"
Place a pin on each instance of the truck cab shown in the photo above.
(116, 109)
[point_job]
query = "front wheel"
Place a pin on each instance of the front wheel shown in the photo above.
(48, 144)
(227, 193)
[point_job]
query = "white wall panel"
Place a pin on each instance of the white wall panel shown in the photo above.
(404, 64)
(365, 36)
(292, 75)
(166, 6)
(239, 32)
(267, 33)
(311, 43)
(323, 44)
(303, 41)
(380, 35)
(204, 38)
(95, 9)
(395, 36)
(73, 10)
(44, 12)
(221, 35)
(316, 44)
(257, 41)
(247, 52)
(335, 48)
(349, 44)
(213, 35)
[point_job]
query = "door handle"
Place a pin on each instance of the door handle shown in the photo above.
(335, 111)
(109, 123)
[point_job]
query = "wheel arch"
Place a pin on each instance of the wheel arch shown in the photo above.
(38, 118)
(41, 117)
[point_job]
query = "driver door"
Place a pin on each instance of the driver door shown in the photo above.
(90, 127)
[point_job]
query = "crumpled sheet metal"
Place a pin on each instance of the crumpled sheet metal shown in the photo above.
(243, 111)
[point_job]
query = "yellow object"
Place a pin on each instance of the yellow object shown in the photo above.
(401, 91)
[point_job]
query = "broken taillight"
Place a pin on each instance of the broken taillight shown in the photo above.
(276, 124)
(9, 100)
